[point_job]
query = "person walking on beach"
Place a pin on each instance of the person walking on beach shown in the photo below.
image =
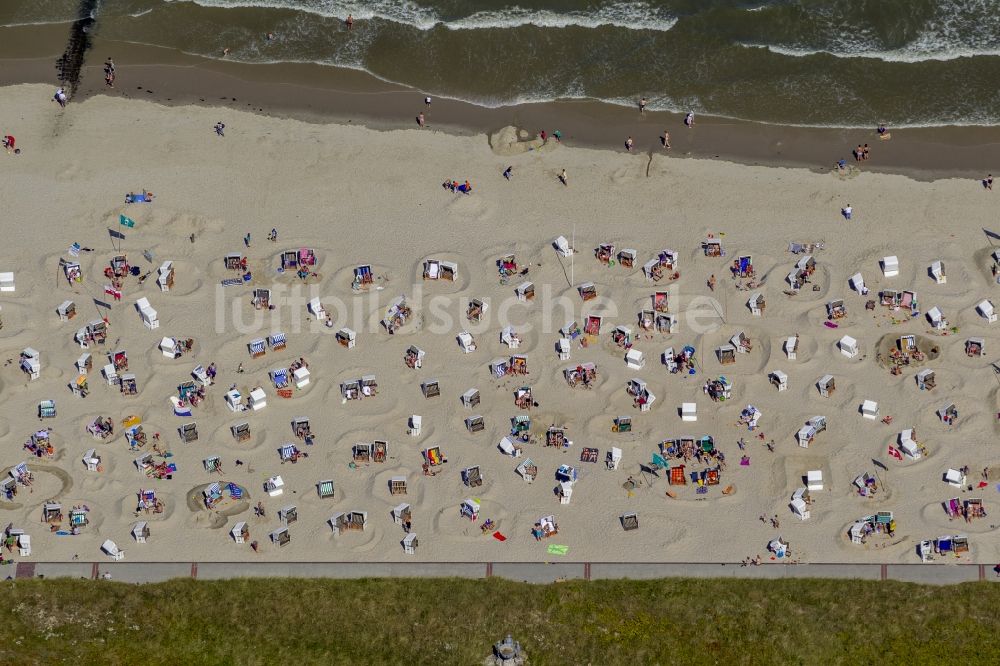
(628, 144)
(689, 120)
(220, 128)
(666, 140)
(60, 97)
(988, 182)
(847, 211)
(711, 282)
(109, 72)
(427, 102)
(563, 178)
(508, 172)
(864, 152)
(642, 106)
(349, 22)
(420, 119)
(246, 239)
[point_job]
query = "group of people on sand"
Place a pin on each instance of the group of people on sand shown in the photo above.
(457, 187)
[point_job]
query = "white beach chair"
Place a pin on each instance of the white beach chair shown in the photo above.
(890, 266)
(848, 346)
(112, 550)
(562, 246)
(937, 273)
(986, 311)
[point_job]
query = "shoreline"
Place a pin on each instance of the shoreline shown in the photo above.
(325, 94)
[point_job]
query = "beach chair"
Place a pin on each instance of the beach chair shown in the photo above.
(66, 310)
(277, 341)
(634, 359)
(240, 532)
(986, 311)
(410, 544)
(630, 521)
(926, 380)
(869, 410)
(466, 342)
(848, 346)
(562, 247)
(111, 550)
(288, 515)
(316, 308)
(301, 377)
(587, 290)
(149, 317)
(470, 398)
(936, 318)
(165, 276)
(890, 266)
(140, 531)
(779, 380)
(7, 282)
(857, 283)
(274, 486)
(257, 399)
(346, 338)
(937, 272)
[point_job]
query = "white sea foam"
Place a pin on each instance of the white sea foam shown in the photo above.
(908, 54)
(956, 29)
(632, 15)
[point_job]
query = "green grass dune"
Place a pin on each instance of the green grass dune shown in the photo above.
(445, 621)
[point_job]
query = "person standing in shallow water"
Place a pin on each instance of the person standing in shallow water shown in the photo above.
(349, 22)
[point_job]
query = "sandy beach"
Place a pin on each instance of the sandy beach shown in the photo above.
(357, 196)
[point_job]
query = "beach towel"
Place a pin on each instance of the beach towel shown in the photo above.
(232, 282)
(74, 250)
(556, 549)
(235, 491)
(499, 537)
(830, 324)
